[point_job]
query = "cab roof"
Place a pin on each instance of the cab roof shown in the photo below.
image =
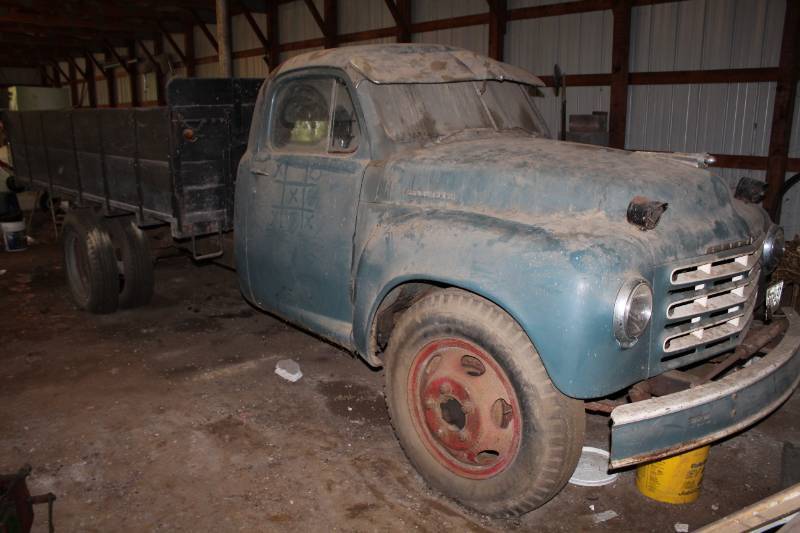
(410, 63)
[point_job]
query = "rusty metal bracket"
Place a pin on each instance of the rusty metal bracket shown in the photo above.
(211, 255)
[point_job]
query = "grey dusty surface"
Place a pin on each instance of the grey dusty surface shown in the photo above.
(171, 418)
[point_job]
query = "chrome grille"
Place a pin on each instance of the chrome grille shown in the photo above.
(710, 303)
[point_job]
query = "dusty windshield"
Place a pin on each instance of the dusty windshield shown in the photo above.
(436, 111)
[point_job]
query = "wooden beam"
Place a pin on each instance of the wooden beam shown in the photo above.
(111, 83)
(211, 39)
(450, 23)
(400, 11)
(273, 33)
(404, 29)
(783, 109)
(123, 62)
(150, 57)
(91, 83)
(312, 8)
(44, 77)
(498, 13)
(57, 76)
(73, 87)
(555, 10)
(223, 27)
(580, 80)
(161, 76)
(50, 20)
(620, 59)
(678, 77)
(74, 64)
(133, 78)
(751, 162)
(188, 46)
(254, 26)
(58, 68)
(177, 49)
(90, 57)
(331, 9)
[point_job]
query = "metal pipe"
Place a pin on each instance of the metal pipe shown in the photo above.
(224, 38)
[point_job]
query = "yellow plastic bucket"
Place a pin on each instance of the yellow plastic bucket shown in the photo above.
(673, 480)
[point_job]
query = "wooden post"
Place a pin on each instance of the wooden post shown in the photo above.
(73, 86)
(331, 11)
(620, 60)
(161, 89)
(111, 82)
(224, 39)
(404, 10)
(44, 76)
(188, 49)
(91, 82)
(57, 77)
(205, 30)
(273, 35)
(401, 13)
(498, 13)
(783, 110)
(133, 76)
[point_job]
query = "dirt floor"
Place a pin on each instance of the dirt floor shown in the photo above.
(170, 418)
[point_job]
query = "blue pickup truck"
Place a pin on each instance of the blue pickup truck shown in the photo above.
(407, 203)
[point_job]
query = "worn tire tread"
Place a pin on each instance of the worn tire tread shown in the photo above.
(561, 416)
(102, 294)
(137, 263)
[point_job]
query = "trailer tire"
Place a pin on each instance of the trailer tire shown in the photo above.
(89, 262)
(135, 263)
(474, 409)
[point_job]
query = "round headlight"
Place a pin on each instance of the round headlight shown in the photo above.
(632, 311)
(772, 251)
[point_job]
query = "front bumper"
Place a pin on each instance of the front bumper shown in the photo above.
(660, 427)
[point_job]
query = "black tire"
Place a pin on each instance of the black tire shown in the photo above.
(89, 262)
(550, 425)
(135, 264)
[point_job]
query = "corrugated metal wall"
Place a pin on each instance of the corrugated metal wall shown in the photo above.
(688, 35)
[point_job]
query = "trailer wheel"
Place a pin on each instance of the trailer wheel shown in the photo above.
(90, 263)
(474, 409)
(134, 262)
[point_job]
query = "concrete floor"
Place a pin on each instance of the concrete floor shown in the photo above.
(170, 418)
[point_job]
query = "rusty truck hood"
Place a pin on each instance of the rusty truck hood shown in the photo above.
(572, 189)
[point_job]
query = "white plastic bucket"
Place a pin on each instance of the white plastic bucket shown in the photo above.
(14, 237)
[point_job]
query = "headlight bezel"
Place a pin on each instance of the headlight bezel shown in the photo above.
(622, 312)
(772, 248)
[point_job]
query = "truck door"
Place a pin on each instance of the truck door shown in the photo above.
(305, 182)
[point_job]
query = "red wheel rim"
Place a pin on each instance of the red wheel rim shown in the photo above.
(464, 407)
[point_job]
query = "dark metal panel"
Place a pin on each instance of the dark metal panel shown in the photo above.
(60, 149)
(88, 149)
(37, 155)
(140, 159)
(210, 121)
(117, 132)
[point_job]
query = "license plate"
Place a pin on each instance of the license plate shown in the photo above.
(774, 292)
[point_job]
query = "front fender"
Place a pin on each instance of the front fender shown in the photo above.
(560, 289)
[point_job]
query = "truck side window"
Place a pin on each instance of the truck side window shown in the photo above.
(301, 115)
(345, 132)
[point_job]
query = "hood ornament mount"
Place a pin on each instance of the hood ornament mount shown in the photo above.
(645, 213)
